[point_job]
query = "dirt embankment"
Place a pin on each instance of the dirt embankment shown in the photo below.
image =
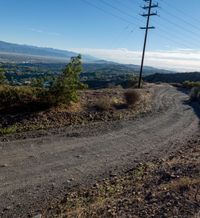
(86, 111)
(162, 188)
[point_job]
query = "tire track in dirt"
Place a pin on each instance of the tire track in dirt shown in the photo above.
(39, 170)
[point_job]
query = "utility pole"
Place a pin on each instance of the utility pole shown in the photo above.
(147, 7)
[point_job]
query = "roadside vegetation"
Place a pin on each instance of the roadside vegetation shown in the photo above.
(195, 89)
(64, 90)
(178, 78)
(132, 97)
(8, 130)
(195, 94)
(95, 75)
(65, 100)
(191, 84)
(104, 104)
(2, 77)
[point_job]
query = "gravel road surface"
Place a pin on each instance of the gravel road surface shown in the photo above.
(36, 172)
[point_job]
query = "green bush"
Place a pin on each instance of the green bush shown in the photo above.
(195, 94)
(8, 130)
(131, 82)
(189, 84)
(132, 97)
(13, 96)
(2, 77)
(64, 91)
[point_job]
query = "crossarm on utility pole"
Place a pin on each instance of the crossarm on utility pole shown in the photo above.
(148, 15)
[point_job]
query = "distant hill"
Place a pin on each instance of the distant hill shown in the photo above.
(150, 70)
(25, 54)
(109, 67)
(173, 78)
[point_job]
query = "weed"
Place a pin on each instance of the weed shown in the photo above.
(190, 84)
(8, 130)
(181, 184)
(104, 104)
(132, 97)
(195, 94)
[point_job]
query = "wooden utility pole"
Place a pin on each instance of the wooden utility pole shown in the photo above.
(147, 7)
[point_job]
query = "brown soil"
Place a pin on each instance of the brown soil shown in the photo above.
(77, 114)
(162, 188)
(51, 168)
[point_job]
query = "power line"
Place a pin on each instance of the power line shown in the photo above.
(118, 9)
(110, 13)
(132, 16)
(128, 21)
(119, 37)
(180, 27)
(163, 30)
(176, 37)
(133, 2)
(128, 5)
(181, 11)
(178, 42)
(166, 35)
(180, 18)
(113, 15)
(170, 39)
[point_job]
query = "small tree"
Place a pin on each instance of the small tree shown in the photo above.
(37, 82)
(65, 88)
(2, 77)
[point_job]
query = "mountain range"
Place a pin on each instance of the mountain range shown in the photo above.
(15, 53)
(25, 53)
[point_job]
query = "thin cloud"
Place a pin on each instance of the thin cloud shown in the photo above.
(44, 32)
(179, 59)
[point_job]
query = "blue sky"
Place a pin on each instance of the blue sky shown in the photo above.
(107, 29)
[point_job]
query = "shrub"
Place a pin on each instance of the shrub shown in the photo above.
(2, 77)
(104, 104)
(198, 97)
(12, 96)
(131, 97)
(189, 84)
(194, 94)
(65, 89)
(8, 130)
(131, 82)
(20, 96)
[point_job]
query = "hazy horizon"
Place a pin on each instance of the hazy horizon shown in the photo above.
(107, 30)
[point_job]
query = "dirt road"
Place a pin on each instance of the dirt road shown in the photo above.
(36, 172)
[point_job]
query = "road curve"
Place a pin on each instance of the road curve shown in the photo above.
(35, 172)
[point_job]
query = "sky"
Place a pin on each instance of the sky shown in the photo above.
(108, 29)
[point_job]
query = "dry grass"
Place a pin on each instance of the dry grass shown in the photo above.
(142, 191)
(182, 183)
(104, 104)
(131, 97)
(94, 106)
